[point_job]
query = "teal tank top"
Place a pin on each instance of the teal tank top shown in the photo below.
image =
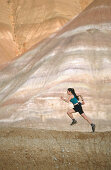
(74, 100)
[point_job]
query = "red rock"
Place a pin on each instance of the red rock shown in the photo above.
(24, 23)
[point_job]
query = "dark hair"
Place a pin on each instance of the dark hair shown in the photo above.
(73, 92)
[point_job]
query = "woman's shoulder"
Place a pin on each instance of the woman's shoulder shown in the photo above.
(72, 96)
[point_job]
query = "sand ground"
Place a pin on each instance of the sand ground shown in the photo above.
(36, 144)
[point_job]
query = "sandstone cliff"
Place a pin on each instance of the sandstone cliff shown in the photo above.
(24, 23)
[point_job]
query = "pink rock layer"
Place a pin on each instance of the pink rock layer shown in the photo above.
(77, 56)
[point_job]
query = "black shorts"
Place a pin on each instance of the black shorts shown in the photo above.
(78, 108)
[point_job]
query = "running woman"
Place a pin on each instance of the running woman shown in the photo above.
(74, 98)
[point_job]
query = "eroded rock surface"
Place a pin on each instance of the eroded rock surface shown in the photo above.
(78, 56)
(24, 23)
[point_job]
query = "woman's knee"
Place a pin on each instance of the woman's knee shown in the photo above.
(68, 112)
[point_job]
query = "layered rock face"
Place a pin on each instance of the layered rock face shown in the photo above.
(77, 56)
(8, 47)
(24, 23)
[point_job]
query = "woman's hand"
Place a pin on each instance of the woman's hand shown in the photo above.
(83, 102)
(66, 100)
(62, 97)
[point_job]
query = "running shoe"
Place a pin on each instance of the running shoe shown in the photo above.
(73, 122)
(93, 128)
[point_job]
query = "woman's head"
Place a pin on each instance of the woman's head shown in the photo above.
(72, 91)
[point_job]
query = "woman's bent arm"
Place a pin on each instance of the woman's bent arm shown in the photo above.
(66, 100)
(81, 99)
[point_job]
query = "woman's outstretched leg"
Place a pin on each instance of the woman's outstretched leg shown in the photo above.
(89, 121)
(69, 113)
(86, 118)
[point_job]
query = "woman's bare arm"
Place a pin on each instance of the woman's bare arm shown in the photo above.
(81, 99)
(66, 100)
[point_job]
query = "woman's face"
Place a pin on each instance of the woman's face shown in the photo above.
(68, 92)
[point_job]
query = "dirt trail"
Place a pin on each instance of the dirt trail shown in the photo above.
(35, 149)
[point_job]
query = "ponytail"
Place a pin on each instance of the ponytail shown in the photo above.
(73, 92)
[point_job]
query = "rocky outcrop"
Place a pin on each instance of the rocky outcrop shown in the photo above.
(25, 23)
(77, 56)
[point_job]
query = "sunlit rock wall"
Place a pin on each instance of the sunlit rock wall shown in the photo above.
(78, 56)
(8, 47)
(24, 23)
(35, 20)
